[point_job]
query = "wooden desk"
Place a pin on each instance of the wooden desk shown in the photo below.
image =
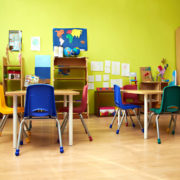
(65, 93)
(145, 93)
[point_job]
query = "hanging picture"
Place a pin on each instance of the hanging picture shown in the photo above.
(15, 40)
(70, 37)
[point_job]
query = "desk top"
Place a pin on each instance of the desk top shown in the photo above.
(143, 91)
(56, 92)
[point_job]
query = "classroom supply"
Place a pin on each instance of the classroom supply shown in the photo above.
(174, 79)
(106, 111)
(70, 37)
(76, 51)
(40, 103)
(31, 79)
(124, 108)
(146, 74)
(133, 78)
(162, 70)
(68, 52)
(170, 104)
(80, 109)
(43, 68)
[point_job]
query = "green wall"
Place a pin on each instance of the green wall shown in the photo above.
(139, 32)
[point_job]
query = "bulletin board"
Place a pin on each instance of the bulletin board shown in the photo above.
(70, 37)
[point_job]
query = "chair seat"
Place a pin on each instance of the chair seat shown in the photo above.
(129, 106)
(8, 110)
(75, 109)
(159, 111)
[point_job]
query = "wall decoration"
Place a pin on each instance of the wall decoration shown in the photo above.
(15, 40)
(146, 74)
(70, 37)
(35, 43)
(43, 67)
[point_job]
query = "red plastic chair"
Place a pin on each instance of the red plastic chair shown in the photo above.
(82, 108)
(134, 99)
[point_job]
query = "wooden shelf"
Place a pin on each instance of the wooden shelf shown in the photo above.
(69, 78)
(9, 65)
(12, 79)
(75, 80)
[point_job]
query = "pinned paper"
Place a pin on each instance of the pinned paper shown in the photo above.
(90, 85)
(106, 77)
(106, 84)
(98, 77)
(96, 66)
(115, 68)
(91, 78)
(125, 68)
(35, 43)
(117, 82)
(107, 66)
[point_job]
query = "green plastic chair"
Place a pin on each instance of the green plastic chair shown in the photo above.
(170, 105)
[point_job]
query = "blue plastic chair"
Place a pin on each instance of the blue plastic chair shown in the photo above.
(124, 108)
(40, 104)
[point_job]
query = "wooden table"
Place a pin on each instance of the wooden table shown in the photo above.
(65, 93)
(145, 93)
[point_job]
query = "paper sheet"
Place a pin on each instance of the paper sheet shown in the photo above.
(90, 85)
(91, 78)
(106, 84)
(35, 43)
(115, 68)
(117, 82)
(125, 69)
(96, 65)
(107, 66)
(106, 77)
(98, 77)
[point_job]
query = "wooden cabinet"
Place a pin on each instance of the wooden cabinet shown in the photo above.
(70, 73)
(13, 78)
(155, 100)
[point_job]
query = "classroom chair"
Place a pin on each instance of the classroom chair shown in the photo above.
(128, 98)
(40, 104)
(170, 104)
(124, 108)
(6, 111)
(79, 110)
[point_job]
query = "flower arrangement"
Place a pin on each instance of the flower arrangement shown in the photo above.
(162, 70)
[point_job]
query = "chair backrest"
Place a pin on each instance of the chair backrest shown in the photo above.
(40, 101)
(170, 99)
(128, 96)
(117, 95)
(84, 98)
(2, 98)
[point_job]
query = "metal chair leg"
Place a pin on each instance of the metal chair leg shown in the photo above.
(19, 138)
(85, 127)
(3, 122)
(126, 121)
(150, 118)
(60, 138)
(142, 129)
(174, 127)
(157, 126)
(133, 125)
(110, 126)
(170, 122)
(117, 131)
(64, 124)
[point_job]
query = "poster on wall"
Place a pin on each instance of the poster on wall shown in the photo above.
(15, 40)
(35, 43)
(70, 37)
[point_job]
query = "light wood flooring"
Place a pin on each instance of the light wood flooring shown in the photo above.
(126, 156)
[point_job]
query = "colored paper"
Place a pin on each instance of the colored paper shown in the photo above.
(42, 61)
(96, 65)
(125, 69)
(115, 68)
(106, 77)
(91, 78)
(107, 66)
(98, 77)
(117, 82)
(90, 85)
(35, 43)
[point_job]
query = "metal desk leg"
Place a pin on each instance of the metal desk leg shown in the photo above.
(70, 120)
(14, 121)
(145, 116)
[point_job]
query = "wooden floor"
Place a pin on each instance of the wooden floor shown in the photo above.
(126, 156)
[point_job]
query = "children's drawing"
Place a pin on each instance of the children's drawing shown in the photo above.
(70, 37)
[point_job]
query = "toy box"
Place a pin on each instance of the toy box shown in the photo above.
(107, 111)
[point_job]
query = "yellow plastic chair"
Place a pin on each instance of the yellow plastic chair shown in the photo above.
(6, 111)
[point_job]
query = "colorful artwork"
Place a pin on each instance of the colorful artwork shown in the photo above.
(15, 40)
(70, 37)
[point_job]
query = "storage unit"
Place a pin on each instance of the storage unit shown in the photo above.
(70, 73)
(13, 77)
(152, 85)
